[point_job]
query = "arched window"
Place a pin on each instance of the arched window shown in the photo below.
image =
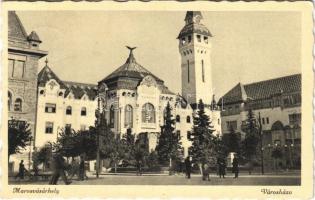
(69, 110)
(177, 118)
(18, 105)
(112, 116)
(188, 119)
(128, 116)
(83, 111)
(9, 100)
(148, 113)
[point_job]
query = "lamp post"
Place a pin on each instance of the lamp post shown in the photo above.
(261, 144)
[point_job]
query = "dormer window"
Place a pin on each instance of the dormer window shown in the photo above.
(199, 38)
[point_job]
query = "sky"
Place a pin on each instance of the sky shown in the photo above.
(86, 46)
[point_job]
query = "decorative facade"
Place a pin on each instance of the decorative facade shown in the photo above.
(62, 104)
(23, 54)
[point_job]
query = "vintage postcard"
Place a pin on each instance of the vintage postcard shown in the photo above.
(157, 99)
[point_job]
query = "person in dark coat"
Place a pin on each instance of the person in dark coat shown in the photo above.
(22, 170)
(222, 167)
(82, 168)
(139, 167)
(206, 173)
(59, 167)
(188, 167)
(235, 168)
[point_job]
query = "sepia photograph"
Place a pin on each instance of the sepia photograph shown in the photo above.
(163, 97)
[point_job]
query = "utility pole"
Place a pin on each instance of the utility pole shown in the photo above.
(261, 144)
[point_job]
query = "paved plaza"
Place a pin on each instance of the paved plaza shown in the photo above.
(163, 179)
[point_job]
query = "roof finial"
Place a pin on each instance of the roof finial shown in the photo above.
(46, 61)
(131, 57)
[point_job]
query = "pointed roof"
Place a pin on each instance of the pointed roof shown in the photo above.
(16, 28)
(47, 74)
(131, 69)
(194, 26)
(77, 89)
(263, 89)
(34, 37)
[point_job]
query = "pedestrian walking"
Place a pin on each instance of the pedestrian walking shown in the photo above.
(22, 170)
(139, 167)
(82, 171)
(188, 167)
(235, 168)
(222, 167)
(59, 167)
(75, 169)
(206, 173)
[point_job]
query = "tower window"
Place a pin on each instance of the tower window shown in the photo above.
(199, 38)
(83, 111)
(69, 110)
(177, 118)
(205, 38)
(189, 38)
(183, 40)
(188, 71)
(203, 71)
(188, 119)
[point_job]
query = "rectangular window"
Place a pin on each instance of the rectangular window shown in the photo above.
(188, 71)
(263, 120)
(11, 67)
(18, 69)
(198, 38)
(50, 108)
(295, 119)
(267, 120)
(49, 128)
(203, 71)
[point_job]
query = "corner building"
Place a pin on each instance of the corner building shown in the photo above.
(23, 56)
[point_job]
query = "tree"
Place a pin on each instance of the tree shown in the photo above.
(250, 143)
(128, 145)
(42, 156)
(169, 144)
(203, 149)
(234, 141)
(19, 136)
(141, 148)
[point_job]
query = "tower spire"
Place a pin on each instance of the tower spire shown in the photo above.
(131, 58)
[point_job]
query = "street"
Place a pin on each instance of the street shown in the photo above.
(159, 179)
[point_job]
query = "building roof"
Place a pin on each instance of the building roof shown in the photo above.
(130, 74)
(34, 37)
(131, 69)
(77, 89)
(16, 29)
(192, 26)
(263, 89)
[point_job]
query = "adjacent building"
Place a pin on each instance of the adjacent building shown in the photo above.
(23, 56)
(278, 103)
(61, 105)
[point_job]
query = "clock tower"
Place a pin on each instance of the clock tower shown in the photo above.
(195, 50)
